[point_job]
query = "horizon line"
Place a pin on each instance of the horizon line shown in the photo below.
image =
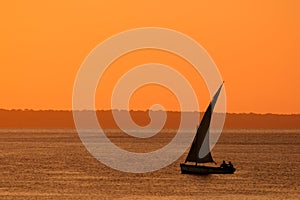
(106, 110)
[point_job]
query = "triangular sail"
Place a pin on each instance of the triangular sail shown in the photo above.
(201, 140)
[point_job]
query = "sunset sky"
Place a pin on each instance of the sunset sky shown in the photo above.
(255, 45)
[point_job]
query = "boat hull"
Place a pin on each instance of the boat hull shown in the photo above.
(193, 169)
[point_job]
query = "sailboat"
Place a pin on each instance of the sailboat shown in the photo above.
(201, 142)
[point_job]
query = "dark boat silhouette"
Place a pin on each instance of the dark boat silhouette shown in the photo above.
(201, 142)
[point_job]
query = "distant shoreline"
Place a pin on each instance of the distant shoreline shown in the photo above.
(64, 119)
(171, 111)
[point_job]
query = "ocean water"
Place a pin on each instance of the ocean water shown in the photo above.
(53, 164)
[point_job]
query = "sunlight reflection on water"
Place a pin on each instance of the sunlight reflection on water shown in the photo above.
(53, 163)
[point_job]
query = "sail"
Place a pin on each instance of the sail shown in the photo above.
(201, 139)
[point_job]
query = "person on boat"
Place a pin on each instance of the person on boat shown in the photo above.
(224, 164)
(230, 164)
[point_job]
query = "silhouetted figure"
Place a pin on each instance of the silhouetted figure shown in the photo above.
(230, 164)
(223, 165)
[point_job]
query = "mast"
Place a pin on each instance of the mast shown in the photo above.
(201, 139)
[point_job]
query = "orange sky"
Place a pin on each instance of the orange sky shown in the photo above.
(255, 45)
